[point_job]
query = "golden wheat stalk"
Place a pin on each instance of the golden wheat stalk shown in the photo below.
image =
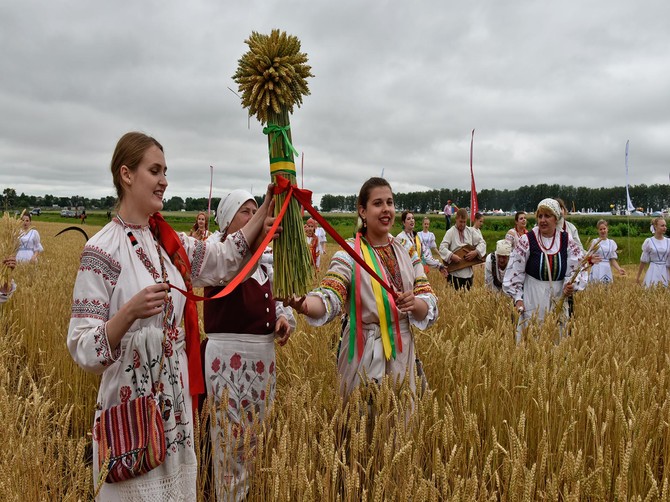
(272, 77)
(584, 264)
(10, 231)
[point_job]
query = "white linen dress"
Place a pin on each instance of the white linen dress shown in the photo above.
(110, 274)
(656, 252)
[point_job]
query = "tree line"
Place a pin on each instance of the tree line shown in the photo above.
(645, 197)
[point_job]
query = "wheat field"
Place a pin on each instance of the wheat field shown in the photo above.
(586, 418)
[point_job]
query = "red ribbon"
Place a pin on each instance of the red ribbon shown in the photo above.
(171, 243)
(305, 198)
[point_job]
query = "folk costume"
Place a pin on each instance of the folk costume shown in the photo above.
(493, 274)
(239, 356)
(455, 239)
(656, 252)
(377, 339)
(602, 271)
(29, 244)
(116, 263)
(538, 270)
(414, 243)
(512, 236)
(428, 243)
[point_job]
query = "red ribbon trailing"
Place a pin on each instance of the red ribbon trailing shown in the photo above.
(171, 243)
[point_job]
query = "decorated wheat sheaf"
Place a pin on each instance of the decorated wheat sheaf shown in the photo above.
(272, 79)
(272, 75)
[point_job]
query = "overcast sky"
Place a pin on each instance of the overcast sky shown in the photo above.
(553, 89)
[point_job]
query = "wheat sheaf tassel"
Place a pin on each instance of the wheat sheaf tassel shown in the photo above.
(272, 75)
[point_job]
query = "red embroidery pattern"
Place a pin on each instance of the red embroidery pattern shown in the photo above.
(95, 260)
(85, 308)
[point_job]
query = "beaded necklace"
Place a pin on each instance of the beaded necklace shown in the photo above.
(168, 307)
(541, 242)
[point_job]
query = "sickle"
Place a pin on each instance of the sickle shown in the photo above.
(78, 229)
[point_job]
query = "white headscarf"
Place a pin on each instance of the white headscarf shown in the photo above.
(228, 207)
(552, 205)
(503, 248)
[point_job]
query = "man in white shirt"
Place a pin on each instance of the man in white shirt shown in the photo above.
(457, 237)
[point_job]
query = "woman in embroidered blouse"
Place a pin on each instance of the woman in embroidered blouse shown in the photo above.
(602, 270)
(428, 243)
(122, 309)
(541, 266)
(29, 241)
(241, 330)
(199, 228)
(514, 234)
(655, 254)
(369, 352)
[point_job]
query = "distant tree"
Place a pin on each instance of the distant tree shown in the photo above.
(174, 203)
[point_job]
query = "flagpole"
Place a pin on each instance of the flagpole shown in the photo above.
(474, 207)
(629, 203)
(209, 200)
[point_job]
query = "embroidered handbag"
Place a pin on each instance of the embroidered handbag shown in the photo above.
(132, 437)
(132, 434)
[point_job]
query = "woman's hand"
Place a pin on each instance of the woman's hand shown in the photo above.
(298, 303)
(444, 271)
(282, 330)
(519, 306)
(568, 289)
(261, 222)
(148, 302)
(405, 302)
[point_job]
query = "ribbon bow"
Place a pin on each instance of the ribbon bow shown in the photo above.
(278, 130)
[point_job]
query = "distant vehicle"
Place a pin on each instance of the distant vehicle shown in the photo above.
(67, 213)
(36, 211)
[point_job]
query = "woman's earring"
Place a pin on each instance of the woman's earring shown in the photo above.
(365, 223)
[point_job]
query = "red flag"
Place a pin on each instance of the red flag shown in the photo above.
(474, 207)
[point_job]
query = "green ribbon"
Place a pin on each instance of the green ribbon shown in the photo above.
(278, 130)
(385, 298)
(352, 316)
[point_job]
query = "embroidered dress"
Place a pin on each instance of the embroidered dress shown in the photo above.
(656, 252)
(427, 245)
(239, 357)
(110, 273)
(405, 273)
(29, 244)
(454, 240)
(512, 236)
(602, 272)
(538, 279)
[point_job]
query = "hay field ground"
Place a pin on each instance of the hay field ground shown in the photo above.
(585, 419)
